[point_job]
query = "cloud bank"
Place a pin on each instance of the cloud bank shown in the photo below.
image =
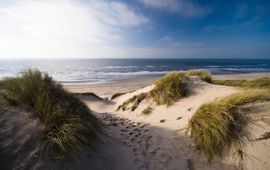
(186, 8)
(64, 28)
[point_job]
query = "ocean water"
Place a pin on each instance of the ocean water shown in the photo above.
(96, 71)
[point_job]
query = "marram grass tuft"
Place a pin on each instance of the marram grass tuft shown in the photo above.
(69, 124)
(220, 127)
(169, 89)
(203, 75)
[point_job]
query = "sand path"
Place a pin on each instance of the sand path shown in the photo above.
(157, 144)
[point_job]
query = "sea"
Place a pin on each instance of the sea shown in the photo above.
(100, 71)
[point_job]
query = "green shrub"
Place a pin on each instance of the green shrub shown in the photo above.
(147, 111)
(69, 124)
(219, 127)
(258, 83)
(169, 89)
(203, 75)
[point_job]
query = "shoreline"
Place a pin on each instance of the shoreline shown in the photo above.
(128, 85)
(108, 89)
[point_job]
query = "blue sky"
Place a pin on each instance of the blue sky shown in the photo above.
(134, 28)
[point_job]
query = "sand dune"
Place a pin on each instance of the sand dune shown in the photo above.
(156, 141)
(160, 140)
(19, 146)
(163, 145)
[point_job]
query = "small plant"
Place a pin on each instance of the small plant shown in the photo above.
(126, 103)
(258, 83)
(134, 101)
(69, 124)
(147, 111)
(114, 96)
(169, 89)
(219, 127)
(203, 75)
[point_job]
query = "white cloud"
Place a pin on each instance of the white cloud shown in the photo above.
(187, 8)
(64, 28)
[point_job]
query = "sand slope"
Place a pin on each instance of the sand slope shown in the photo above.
(138, 142)
(19, 140)
(164, 145)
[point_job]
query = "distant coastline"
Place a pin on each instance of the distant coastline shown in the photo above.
(127, 85)
(101, 71)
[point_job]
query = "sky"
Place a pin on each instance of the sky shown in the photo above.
(134, 29)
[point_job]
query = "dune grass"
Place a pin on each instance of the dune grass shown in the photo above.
(169, 89)
(114, 96)
(133, 101)
(203, 75)
(263, 83)
(1, 84)
(147, 111)
(69, 124)
(264, 136)
(219, 127)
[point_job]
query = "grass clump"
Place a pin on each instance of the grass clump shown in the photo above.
(169, 89)
(219, 127)
(117, 95)
(69, 124)
(258, 83)
(147, 111)
(203, 75)
(133, 101)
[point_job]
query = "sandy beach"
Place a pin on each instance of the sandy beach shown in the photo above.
(160, 140)
(134, 85)
(123, 86)
(157, 141)
(108, 89)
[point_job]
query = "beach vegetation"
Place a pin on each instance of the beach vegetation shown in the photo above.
(203, 75)
(147, 111)
(258, 83)
(169, 89)
(220, 127)
(133, 101)
(69, 123)
(88, 95)
(114, 96)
